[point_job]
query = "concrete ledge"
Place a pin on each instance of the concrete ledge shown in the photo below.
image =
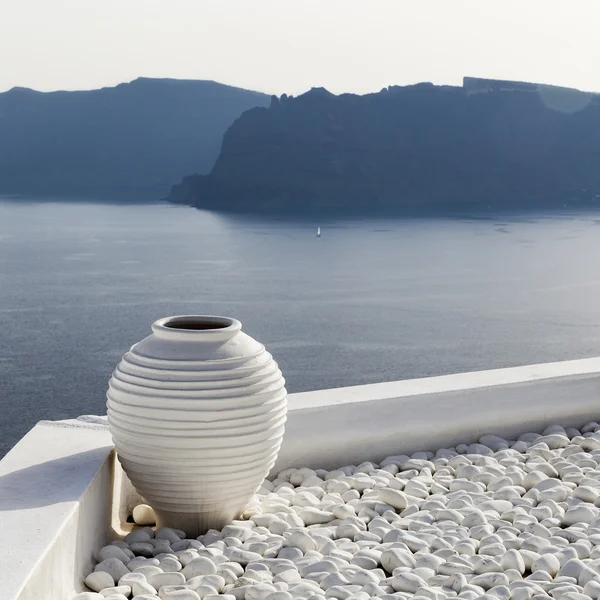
(331, 428)
(55, 510)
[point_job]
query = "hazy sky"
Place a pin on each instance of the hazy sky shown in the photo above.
(288, 46)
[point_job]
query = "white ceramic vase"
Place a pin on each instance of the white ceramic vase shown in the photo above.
(197, 413)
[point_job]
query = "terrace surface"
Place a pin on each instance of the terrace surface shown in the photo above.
(508, 518)
(63, 497)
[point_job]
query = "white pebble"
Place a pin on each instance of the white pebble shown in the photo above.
(114, 567)
(204, 590)
(199, 566)
(395, 557)
(302, 540)
(260, 591)
(123, 590)
(179, 595)
(315, 516)
(546, 562)
(144, 515)
(160, 579)
(407, 582)
(168, 534)
(592, 589)
(243, 557)
(113, 552)
(131, 578)
(582, 513)
(513, 560)
(139, 588)
(148, 571)
(395, 498)
(279, 596)
(98, 580)
(139, 535)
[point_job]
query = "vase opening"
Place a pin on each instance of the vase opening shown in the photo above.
(199, 323)
(205, 328)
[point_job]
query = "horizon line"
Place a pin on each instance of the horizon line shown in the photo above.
(192, 80)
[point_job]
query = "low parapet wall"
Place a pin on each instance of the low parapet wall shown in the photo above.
(55, 509)
(329, 428)
(62, 494)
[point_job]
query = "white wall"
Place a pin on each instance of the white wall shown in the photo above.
(332, 428)
(55, 502)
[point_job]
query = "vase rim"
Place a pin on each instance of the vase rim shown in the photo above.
(196, 326)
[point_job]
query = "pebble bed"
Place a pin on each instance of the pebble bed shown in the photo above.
(497, 520)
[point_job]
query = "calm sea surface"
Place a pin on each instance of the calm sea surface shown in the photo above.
(369, 301)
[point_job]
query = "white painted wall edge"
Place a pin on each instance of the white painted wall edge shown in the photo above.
(55, 509)
(332, 428)
(444, 383)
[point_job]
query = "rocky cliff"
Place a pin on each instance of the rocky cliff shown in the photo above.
(486, 143)
(137, 138)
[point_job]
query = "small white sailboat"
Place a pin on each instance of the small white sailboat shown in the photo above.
(318, 232)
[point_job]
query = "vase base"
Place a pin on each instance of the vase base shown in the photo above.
(195, 524)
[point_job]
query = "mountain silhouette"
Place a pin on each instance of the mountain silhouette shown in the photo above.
(486, 144)
(135, 139)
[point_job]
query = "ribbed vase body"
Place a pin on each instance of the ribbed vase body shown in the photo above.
(197, 413)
